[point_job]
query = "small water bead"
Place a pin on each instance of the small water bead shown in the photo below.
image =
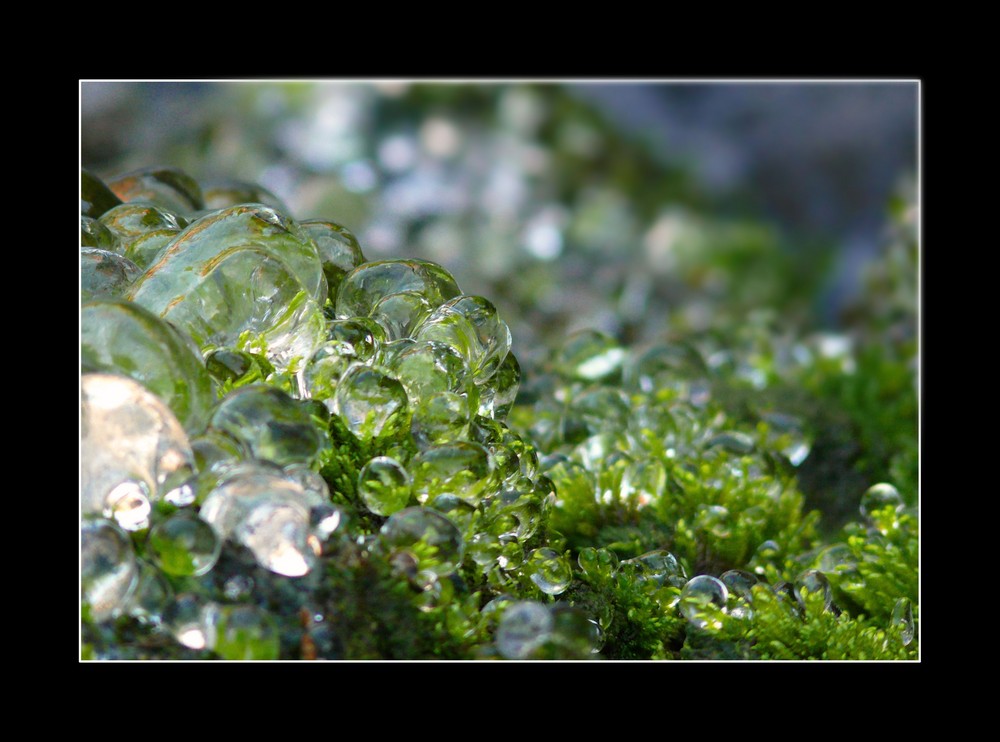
(786, 431)
(365, 285)
(484, 548)
(575, 636)
(902, 617)
(715, 520)
(191, 620)
(225, 192)
(643, 482)
(425, 368)
(602, 409)
(398, 314)
(598, 564)
(498, 394)
(440, 418)
(878, 497)
(511, 553)
(384, 485)
(105, 274)
(95, 196)
(426, 534)
(133, 449)
(183, 545)
(589, 355)
(524, 627)
(152, 595)
(665, 366)
(703, 602)
(109, 572)
(245, 632)
(658, 566)
(145, 249)
(123, 338)
(739, 582)
(338, 250)
(461, 468)
(549, 570)
(837, 559)
(132, 220)
(271, 424)
(813, 582)
(366, 399)
(94, 234)
(569, 476)
(470, 325)
(321, 374)
(732, 441)
(462, 513)
(169, 188)
(268, 513)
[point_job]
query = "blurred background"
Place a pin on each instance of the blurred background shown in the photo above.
(640, 208)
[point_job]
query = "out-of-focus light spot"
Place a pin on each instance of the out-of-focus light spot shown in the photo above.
(543, 234)
(441, 241)
(397, 153)
(279, 180)
(659, 242)
(521, 109)
(505, 190)
(383, 237)
(579, 138)
(391, 88)
(440, 137)
(833, 346)
(359, 176)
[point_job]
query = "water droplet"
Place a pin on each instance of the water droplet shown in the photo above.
(384, 485)
(366, 399)
(191, 620)
(426, 368)
(597, 564)
(471, 326)
(657, 566)
(902, 616)
(703, 602)
(398, 314)
(184, 545)
(524, 627)
(732, 441)
(338, 249)
(549, 570)
(152, 595)
(109, 572)
(429, 536)
(878, 497)
(266, 512)
(813, 582)
(500, 391)
(484, 548)
(589, 355)
(132, 448)
(643, 482)
(440, 418)
(715, 520)
(462, 468)
(739, 582)
(365, 285)
(105, 274)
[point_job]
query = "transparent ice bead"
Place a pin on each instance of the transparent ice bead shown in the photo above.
(549, 570)
(461, 468)
(384, 485)
(362, 288)
(499, 392)
(366, 399)
(589, 355)
(183, 545)
(133, 450)
(428, 536)
(105, 274)
(440, 418)
(245, 632)
(109, 572)
(338, 249)
(703, 602)
(471, 326)
(525, 626)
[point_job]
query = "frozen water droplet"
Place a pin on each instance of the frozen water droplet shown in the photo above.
(484, 548)
(813, 582)
(524, 627)
(902, 616)
(471, 326)
(366, 399)
(365, 285)
(271, 424)
(123, 338)
(658, 566)
(675, 366)
(152, 595)
(384, 485)
(879, 497)
(105, 275)
(440, 418)
(589, 355)
(191, 620)
(462, 468)
(703, 602)
(575, 636)
(498, 394)
(643, 482)
(184, 545)
(427, 535)
(268, 513)
(739, 582)
(132, 448)
(597, 564)
(167, 187)
(398, 314)
(109, 572)
(837, 559)
(549, 570)
(426, 368)
(716, 520)
(338, 249)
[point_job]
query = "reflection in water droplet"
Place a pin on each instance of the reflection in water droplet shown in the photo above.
(703, 602)
(184, 545)
(429, 536)
(902, 616)
(384, 485)
(108, 568)
(549, 570)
